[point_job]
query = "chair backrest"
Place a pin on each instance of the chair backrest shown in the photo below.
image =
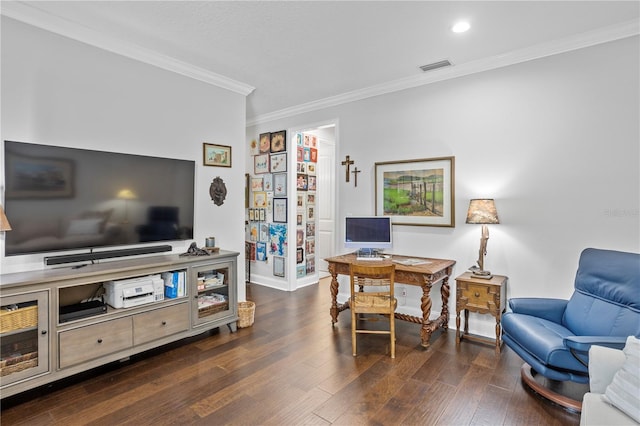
(381, 277)
(606, 301)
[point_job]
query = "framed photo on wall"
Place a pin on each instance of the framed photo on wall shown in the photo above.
(261, 164)
(279, 141)
(216, 155)
(278, 266)
(260, 199)
(278, 163)
(265, 143)
(280, 185)
(416, 192)
(280, 210)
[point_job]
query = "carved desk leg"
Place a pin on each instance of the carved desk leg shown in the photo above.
(334, 294)
(426, 330)
(444, 293)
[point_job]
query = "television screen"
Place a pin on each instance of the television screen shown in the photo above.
(368, 232)
(60, 198)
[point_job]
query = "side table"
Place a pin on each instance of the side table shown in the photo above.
(481, 296)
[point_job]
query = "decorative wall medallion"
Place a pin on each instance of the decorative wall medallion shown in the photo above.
(218, 191)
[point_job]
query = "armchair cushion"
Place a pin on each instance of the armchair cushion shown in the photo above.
(604, 363)
(624, 391)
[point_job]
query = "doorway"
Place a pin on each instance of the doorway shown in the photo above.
(325, 209)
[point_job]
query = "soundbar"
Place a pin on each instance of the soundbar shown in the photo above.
(108, 254)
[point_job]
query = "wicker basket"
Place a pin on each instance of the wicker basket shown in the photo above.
(18, 363)
(246, 314)
(18, 319)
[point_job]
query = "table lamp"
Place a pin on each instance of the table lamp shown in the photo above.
(482, 211)
(126, 194)
(4, 222)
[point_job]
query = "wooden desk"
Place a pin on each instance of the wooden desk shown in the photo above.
(425, 276)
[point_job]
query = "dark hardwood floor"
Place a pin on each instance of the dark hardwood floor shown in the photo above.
(293, 368)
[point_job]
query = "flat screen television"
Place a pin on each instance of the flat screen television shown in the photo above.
(365, 233)
(59, 198)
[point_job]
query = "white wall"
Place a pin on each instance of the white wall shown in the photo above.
(61, 92)
(555, 141)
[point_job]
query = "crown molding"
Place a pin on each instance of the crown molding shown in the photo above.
(567, 44)
(33, 16)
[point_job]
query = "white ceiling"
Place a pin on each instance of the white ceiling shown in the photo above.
(300, 52)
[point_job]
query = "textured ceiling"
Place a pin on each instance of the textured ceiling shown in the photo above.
(296, 52)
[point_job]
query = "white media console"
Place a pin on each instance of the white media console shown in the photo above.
(38, 347)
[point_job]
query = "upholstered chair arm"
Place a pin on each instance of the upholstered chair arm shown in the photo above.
(579, 346)
(549, 309)
(584, 343)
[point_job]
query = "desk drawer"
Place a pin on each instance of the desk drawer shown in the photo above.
(94, 341)
(160, 323)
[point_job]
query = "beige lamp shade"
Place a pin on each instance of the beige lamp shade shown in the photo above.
(126, 194)
(4, 222)
(482, 211)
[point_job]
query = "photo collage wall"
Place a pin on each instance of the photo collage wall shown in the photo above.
(269, 205)
(306, 161)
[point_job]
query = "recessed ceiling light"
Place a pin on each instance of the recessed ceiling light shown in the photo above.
(461, 27)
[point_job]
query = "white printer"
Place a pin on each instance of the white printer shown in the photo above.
(134, 291)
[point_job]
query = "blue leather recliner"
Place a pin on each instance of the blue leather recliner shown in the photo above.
(553, 336)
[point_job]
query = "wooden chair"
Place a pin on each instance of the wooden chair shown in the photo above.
(377, 299)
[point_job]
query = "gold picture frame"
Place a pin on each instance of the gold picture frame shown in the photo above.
(216, 155)
(416, 192)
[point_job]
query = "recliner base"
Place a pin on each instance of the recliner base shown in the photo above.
(528, 378)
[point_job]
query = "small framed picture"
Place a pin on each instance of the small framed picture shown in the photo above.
(311, 168)
(311, 213)
(261, 164)
(260, 199)
(311, 198)
(278, 162)
(279, 141)
(267, 182)
(254, 147)
(299, 255)
(256, 184)
(252, 215)
(311, 185)
(299, 219)
(280, 185)
(301, 182)
(265, 143)
(262, 215)
(278, 266)
(299, 237)
(280, 210)
(216, 155)
(263, 231)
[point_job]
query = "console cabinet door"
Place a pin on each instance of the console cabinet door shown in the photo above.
(214, 294)
(93, 341)
(24, 336)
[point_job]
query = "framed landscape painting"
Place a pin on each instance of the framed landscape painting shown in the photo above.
(216, 155)
(416, 192)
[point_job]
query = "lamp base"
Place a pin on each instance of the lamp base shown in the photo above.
(485, 275)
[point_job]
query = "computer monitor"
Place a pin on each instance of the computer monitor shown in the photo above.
(363, 233)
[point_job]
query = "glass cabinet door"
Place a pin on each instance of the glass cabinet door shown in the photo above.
(24, 338)
(213, 295)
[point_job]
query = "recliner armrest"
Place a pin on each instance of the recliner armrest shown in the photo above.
(549, 309)
(584, 343)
